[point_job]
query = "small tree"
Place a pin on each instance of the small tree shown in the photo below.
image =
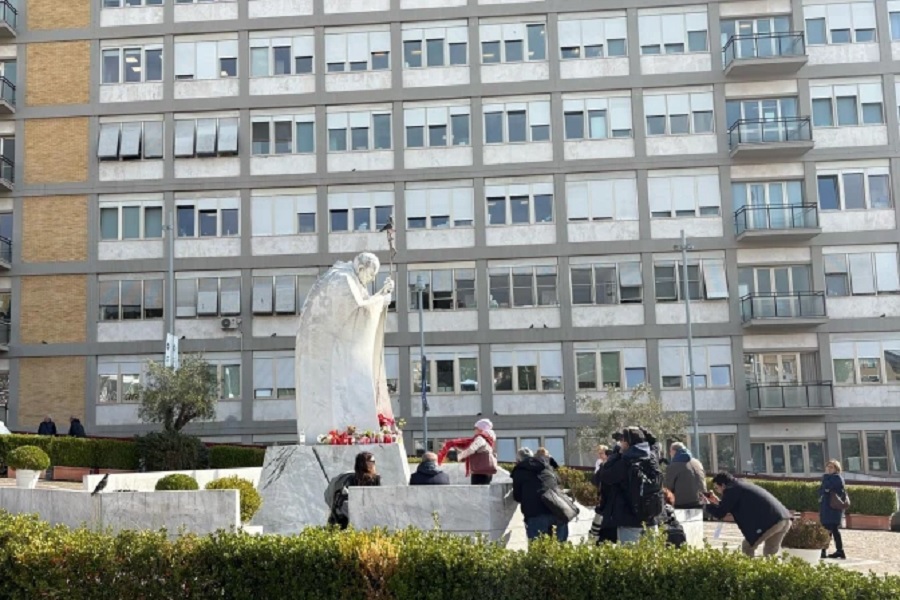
(175, 398)
(637, 407)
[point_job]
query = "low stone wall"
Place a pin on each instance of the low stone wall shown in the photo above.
(197, 512)
(460, 509)
(692, 521)
(146, 482)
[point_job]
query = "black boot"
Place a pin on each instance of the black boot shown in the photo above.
(839, 554)
(824, 553)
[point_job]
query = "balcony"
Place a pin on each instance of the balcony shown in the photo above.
(783, 310)
(7, 96)
(772, 139)
(4, 335)
(7, 173)
(5, 253)
(790, 399)
(764, 54)
(9, 19)
(777, 222)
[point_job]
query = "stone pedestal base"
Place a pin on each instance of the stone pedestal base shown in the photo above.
(294, 478)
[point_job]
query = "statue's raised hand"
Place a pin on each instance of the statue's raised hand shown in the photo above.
(388, 287)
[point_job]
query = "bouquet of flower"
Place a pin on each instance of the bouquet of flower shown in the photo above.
(388, 433)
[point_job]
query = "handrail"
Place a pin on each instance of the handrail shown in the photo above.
(808, 394)
(764, 45)
(7, 169)
(7, 90)
(5, 327)
(783, 305)
(770, 131)
(5, 249)
(776, 217)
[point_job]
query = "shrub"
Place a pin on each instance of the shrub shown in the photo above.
(8, 443)
(171, 451)
(871, 500)
(29, 458)
(235, 457)
(806, 535)
(579, 482)
(249, 498)
(177, 482)
(72, 452)
(115, 454)
(41, 561)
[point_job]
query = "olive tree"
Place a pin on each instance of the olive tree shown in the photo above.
(177, 397)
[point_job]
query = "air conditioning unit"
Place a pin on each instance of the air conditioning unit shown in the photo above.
(230, 323)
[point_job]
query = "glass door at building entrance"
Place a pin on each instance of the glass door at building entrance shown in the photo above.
(788, 458)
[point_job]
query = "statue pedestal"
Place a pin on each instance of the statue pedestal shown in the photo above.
(294, 478)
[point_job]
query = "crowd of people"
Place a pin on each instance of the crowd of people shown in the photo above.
(636, 494)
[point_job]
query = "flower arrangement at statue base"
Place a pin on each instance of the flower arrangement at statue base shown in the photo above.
(390, 432)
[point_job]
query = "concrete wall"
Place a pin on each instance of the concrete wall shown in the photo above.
(146, 482)
(198, 512)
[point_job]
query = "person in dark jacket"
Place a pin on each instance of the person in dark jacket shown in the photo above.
(618, 511)
(76, 429)
(762, 519)
(606, 531)
(832, 482)
(527, 490)
(428, 472)
(685, 477)
(47, 426)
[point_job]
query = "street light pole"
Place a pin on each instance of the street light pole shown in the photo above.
(420, 289)
(684, 247)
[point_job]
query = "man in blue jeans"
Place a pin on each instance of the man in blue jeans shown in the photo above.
(527, 490)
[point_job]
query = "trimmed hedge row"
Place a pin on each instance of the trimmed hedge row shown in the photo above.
(41, 561)
(99, 453)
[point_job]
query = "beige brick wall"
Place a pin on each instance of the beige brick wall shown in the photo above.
(56, 150)
(54, 228)
(59, 14)
(51, 386)
(58, 73)
(54, 309)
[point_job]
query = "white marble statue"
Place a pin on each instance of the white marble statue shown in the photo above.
(339, 360)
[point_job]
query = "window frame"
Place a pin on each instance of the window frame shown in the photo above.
(535, 288)
(271, 121)
(370, 130)
(703, 268)
(121, 59)
(298, 44)
(455, 291)
(143, 307)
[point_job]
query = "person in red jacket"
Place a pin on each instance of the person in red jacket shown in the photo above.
(477, 452)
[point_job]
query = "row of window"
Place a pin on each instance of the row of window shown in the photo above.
(445, 43)
(594, 281)
(529, 202)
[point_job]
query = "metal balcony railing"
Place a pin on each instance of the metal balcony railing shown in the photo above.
(9, 14)
(5, 250)
(769, 131)
(7, 169)
(4, 332)
(776, 218)
(7, 91)
(783, 305)
(786, 44)
(774, 396)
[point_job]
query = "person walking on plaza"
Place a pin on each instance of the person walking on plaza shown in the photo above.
(47, 426)
(833, 501)
(762, 519)
(685, 477)
(76, 429)
(477, 452)
(428, 472)
(633, 494)
(531, 476)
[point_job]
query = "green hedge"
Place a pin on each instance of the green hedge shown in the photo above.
(42, 561)
(176, 482)
(72, 452)
(120, 455)
(233, 457)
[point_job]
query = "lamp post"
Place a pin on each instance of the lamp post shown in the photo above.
(171, 346)
(420, 289)
(684, 247)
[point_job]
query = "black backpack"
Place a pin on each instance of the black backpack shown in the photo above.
(645, 489)
(336, 496)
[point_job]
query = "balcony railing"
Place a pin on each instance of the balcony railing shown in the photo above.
(783, 305)
(7, 91)
(9, 14)
(786, 44)
(4, 332)
(817, 394)
(769, 131)
(7, 169)
(5, 250)
(776, 218)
